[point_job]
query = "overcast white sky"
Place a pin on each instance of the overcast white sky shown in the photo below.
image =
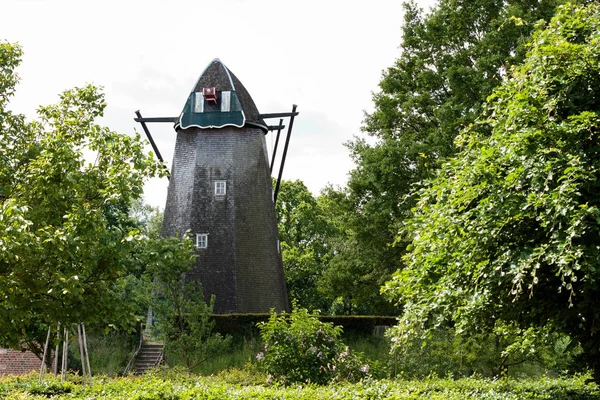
(325, 56)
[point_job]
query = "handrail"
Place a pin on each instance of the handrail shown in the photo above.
(159, 359)
(135, 353)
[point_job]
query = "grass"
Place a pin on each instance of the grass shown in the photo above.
(242, 352)
(109, 353)
(235, 375)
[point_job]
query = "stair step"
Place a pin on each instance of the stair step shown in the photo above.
(149, 355)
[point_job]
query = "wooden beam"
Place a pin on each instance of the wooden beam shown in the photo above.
(278, 115)
(156, 119)
(276, 144)
(285, 149)
(149, 136)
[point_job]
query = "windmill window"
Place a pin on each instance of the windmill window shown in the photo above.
(220, 188)
(221, 103)
(213, 106)
(201, 240)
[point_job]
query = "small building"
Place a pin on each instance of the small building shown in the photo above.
(15, 362)
(220, 189)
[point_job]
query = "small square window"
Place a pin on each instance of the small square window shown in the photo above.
(220, 188)
(201, 240)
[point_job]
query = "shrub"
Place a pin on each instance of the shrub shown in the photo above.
(300, 348)
(502, 353)
(181, 386)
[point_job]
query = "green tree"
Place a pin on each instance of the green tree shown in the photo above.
(66, 240)
(183, 318)
(350, 277)
(302, 233)
(137, 286)
(146, 218)
(509, 229)
(450, 61)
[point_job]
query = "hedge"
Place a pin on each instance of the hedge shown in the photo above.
(229, 386)
(246, 323)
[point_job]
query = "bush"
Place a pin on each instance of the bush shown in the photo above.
(502, 353)
(300, 348)
(240, 387)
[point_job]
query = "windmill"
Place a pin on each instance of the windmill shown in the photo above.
(220, 190)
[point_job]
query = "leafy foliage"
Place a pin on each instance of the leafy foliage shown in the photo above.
(451, 59)
(147, 219)
(183, 317)
(302, 233)
(65, 187)
(506, 351)
(508, 230)
(355, 268)
(300, 348)
(154, 386)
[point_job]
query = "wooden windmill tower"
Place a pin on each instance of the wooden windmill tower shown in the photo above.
(220, 189)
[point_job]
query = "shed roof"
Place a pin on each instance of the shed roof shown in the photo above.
(217, 75)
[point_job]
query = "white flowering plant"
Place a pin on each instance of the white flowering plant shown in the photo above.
(300, 348)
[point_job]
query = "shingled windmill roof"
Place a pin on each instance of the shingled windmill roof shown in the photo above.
(243, 111)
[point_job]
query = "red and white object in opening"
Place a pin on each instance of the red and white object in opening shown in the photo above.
(210, 94)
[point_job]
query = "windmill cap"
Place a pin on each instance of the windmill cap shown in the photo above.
(217, 75)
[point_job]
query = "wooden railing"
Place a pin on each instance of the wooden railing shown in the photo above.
(135, 353)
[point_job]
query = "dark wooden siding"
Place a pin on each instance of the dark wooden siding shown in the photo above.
(242, 265)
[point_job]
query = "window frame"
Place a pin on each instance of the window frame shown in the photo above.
(201, 240)
(221, 184)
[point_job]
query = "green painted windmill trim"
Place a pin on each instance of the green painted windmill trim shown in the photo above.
(211, 118)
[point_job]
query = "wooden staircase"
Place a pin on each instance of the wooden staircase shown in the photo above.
(149, 356)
